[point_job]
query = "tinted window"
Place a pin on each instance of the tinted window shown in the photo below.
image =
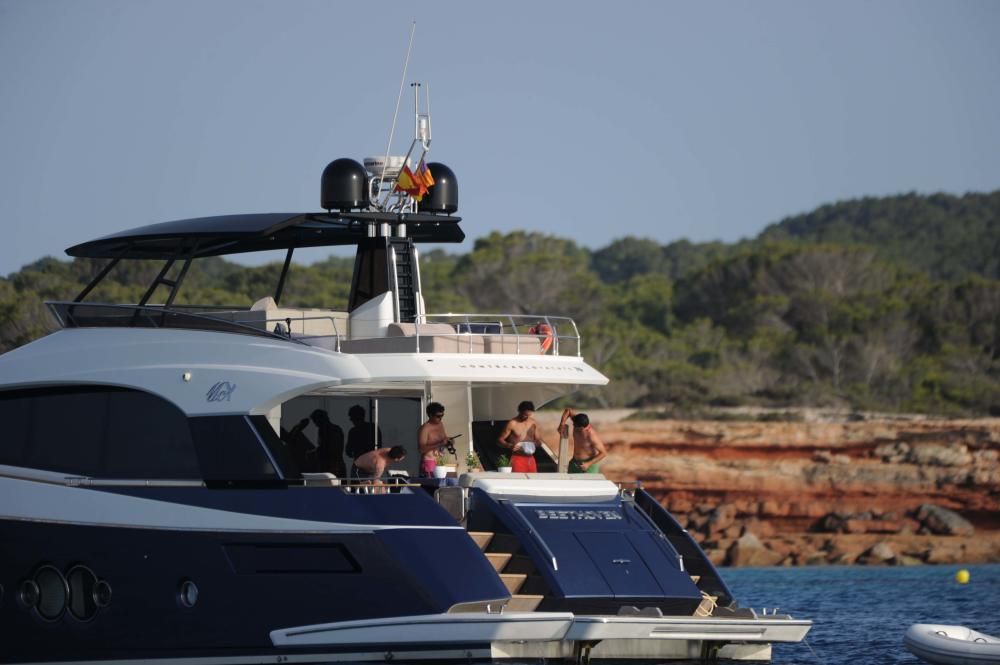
(15, 414)
(96, 431)
(279, 453)
(68, 432)
(229, 449)
(148, 437)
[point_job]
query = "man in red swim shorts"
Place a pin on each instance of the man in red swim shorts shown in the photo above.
(522, 436)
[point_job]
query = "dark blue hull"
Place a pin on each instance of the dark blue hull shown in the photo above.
(248, 583)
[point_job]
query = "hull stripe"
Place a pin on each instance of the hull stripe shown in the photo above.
(25, 500)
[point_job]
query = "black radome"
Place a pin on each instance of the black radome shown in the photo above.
(344, 186)
(443, 196)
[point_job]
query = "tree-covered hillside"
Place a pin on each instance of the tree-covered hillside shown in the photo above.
(886, 304)
(945, 236)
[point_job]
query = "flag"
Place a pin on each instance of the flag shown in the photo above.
(423, 180)
(406, 182)
(425, 174)
(415, 184)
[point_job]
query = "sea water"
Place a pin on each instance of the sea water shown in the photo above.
(860, 613)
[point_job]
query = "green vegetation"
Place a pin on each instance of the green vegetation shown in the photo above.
(888, 304)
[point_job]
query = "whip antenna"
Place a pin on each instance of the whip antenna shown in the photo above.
(402, 82)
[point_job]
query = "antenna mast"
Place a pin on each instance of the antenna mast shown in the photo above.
(383, 192)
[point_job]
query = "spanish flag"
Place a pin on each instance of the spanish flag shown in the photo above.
(407, 181)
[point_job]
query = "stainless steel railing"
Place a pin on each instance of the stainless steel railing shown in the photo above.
(471, 332)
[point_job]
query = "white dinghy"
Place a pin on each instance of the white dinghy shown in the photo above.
(952, 645)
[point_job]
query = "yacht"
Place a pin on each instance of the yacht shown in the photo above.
(158, 502)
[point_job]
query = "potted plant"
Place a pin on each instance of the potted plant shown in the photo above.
(503, 464)
(472, 461)
(445, 465)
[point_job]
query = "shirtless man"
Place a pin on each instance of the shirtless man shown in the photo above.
(521, 435)
(371, 465)
(588, 447)
(431, 438)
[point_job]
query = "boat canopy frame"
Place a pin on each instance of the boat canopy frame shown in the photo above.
(201, 237)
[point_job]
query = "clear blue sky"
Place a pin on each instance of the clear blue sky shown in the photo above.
(596, 120)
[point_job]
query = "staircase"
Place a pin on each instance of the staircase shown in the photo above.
(405, 278)
(515, 570)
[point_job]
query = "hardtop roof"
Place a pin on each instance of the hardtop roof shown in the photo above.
(235, 234)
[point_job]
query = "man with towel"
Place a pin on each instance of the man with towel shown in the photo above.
(522, 436)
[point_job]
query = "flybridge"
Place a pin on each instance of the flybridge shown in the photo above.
(385, 207)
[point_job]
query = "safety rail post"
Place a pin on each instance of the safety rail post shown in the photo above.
(555, 337)
(535, 536)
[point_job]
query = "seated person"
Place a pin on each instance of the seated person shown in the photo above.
(522, 436)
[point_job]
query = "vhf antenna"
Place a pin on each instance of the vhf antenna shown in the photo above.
(399, 98)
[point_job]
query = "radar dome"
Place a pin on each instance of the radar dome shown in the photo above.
(443, 195)
(344, 185)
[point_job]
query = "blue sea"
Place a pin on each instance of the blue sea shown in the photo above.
(860, 613)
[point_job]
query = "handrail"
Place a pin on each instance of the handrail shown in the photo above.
(513, 323)
(287, 320)
(395, 281)
(531, 532)
(237, 320)
(64, 313)
(648, 520)
(418, 297)
(511, 328)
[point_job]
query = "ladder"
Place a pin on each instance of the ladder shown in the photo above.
(406, 277)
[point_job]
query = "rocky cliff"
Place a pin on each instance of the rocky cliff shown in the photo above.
(874, 491)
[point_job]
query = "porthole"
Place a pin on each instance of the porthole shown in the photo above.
(187, 593)
(102, 594)
(53, 593)
(82, 582)
(27, 593)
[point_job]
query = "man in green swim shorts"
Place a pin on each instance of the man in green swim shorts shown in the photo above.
(588, 447)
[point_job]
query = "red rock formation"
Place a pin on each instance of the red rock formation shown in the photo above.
(820, 492)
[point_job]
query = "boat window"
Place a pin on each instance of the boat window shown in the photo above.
(276, 447)
(166, 450)
(230, 450)
(68, 432)
(15, 414)
(100, 432)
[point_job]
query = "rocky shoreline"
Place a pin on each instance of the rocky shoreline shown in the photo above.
(875, 491)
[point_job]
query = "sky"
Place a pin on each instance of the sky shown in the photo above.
(586, 120)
